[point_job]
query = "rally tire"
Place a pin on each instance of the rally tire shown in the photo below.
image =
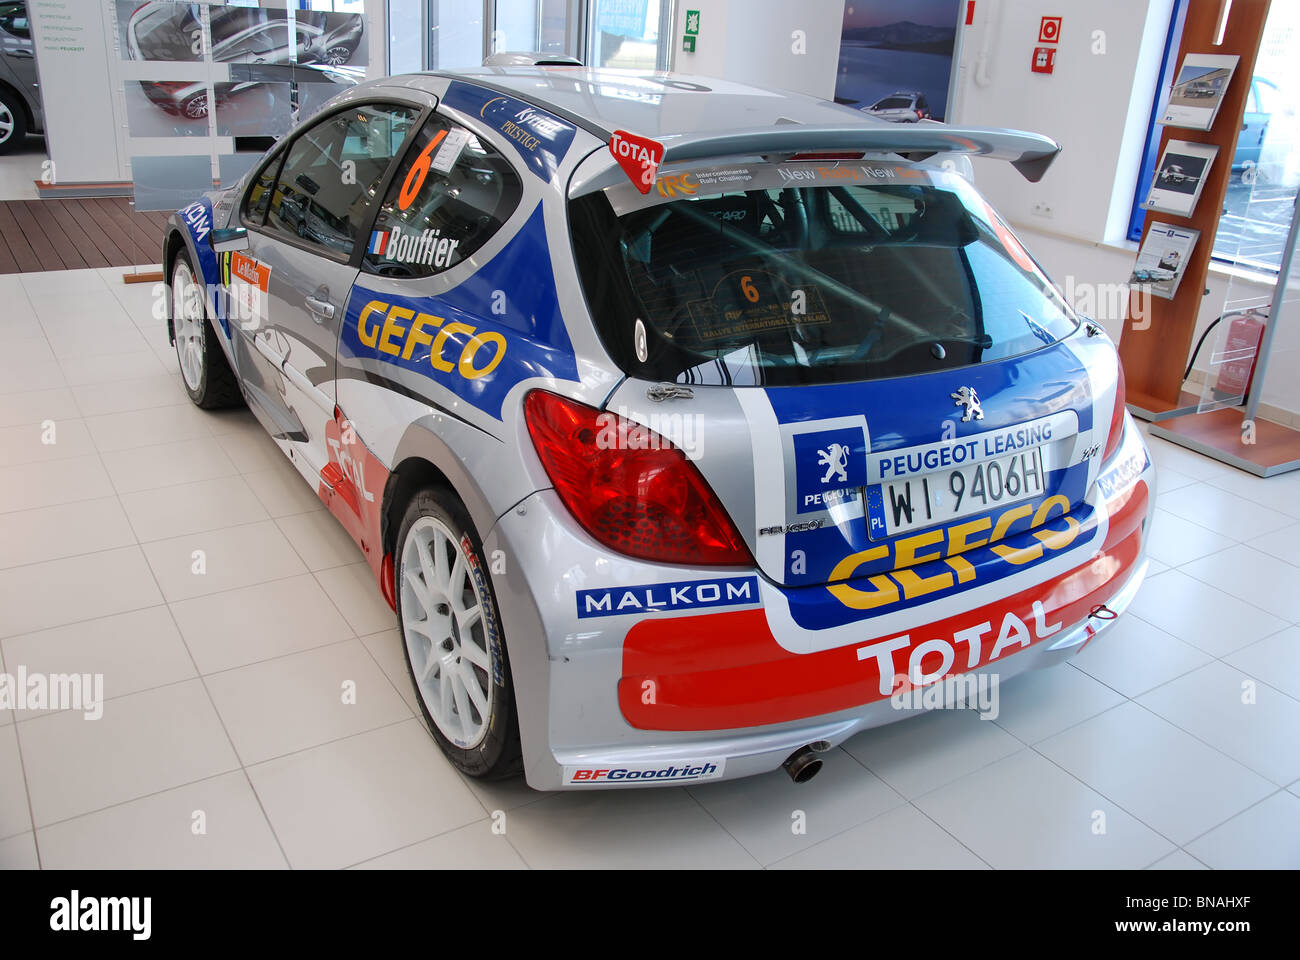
(205, 371)
(478, 732)
(13, 122)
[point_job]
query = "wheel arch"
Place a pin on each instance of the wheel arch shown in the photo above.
(16, 94)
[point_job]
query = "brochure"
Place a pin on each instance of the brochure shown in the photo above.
(1180, 176)
(1198, 90)
(1163, 258)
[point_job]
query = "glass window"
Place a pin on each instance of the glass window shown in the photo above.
(331, 174)
(13, 19)
(258, 198)
(449, 196)
(625, 33)
(773, 284)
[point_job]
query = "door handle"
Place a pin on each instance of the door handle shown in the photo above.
(20, 54)
(321, 310)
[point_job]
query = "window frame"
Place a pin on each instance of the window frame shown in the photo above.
(281, 152)
(391, 175)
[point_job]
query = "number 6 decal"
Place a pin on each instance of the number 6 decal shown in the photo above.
(419, 170)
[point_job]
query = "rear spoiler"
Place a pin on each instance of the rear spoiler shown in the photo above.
(1030, 153)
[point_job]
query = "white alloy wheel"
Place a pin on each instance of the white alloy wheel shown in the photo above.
(6, 123)
(188, 324)
(445, 633)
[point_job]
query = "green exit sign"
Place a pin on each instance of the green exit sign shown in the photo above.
(692, 23)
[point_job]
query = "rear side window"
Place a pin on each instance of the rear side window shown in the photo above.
(894, 103)
(451, 193)
(840, 280)
(13, 19)
(332, 171)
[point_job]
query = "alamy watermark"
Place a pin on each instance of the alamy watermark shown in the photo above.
(22, 690)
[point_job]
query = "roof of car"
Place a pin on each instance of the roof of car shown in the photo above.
(654, 104)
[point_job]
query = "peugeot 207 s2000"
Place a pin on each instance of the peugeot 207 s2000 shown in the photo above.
(683, 424)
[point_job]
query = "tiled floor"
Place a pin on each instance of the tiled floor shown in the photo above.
(225, 741)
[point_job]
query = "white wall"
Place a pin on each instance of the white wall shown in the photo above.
(752, 41)
(1095, 104)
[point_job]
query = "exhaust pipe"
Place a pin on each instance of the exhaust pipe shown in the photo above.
(802, 765)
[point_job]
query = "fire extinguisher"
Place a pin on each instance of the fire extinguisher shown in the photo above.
(1240, 351)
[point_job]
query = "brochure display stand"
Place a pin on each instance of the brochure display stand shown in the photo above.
(1155, 351)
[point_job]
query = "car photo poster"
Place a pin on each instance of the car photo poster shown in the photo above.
(896, 58)
(1180, 177)
(1198, 90)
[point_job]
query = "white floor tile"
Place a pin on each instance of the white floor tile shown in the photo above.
(122, 396)
(1280, 493)
(17, 376)
(56, 481)
(391, 787)
(63, 530)
(35, 406)
(133, 651)
(659, 828)
(144, 743)
(1265, 837)
(304, 699)
(215, 824)
(388, 650)
(472, 847)
(283, 491)
(265, 620)
(923, 752)
(230, 558)
(191, 508)
(1249, 721)
(902, 839)
(15, 816)
(1178, 860)
(1133, 656)
(320, 540)
(41, 595)
(1040, 703)
(1275, 660)
(19, 853)
(1199, 614)
(79, 371)
(1283, 544)
(143, 428)
(165, 464)
(1023, 812)
(773, 817)
(1231, 516)
(1158, 773)
(1259, 579)
(355, 592)
(1175, 541)
(252, 452)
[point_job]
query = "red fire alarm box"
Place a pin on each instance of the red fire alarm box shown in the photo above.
(1044, 59)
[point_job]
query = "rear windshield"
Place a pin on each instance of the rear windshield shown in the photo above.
(802, 273)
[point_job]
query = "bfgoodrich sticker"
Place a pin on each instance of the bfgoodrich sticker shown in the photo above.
(685, 770)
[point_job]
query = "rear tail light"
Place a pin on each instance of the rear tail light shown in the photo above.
(649, 502)
(920, 115)
(1116, 418)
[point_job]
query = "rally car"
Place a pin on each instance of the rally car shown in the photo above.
(684, 425)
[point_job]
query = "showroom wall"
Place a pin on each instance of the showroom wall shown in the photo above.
(753, 41)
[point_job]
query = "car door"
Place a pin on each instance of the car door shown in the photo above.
(16, 48)
(290, 286)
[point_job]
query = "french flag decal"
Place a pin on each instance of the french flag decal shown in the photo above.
(378, 242)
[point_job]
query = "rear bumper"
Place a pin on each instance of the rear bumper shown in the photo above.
(668, 692)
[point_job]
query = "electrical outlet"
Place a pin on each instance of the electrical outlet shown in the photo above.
(1041, 209)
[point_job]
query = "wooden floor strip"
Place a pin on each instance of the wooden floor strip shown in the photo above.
(61, 234)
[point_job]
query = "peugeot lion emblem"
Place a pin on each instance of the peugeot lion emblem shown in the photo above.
(967, 398)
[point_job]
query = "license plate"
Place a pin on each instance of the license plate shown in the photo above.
(897, 506)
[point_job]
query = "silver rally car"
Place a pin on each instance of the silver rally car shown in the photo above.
(689, 428)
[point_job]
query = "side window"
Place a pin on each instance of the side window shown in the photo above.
(258, 198)
(449, 196)
(13, 20)
(331, 173)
